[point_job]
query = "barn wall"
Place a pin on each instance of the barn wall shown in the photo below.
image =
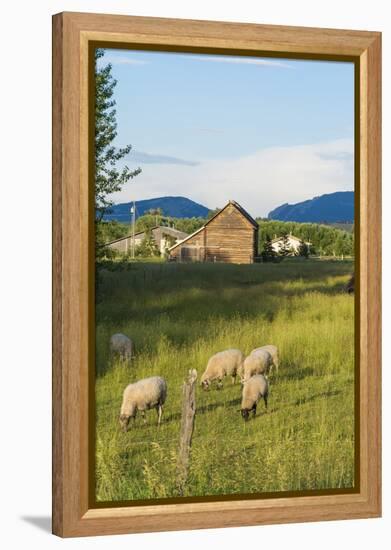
(228, 238)
(191, 250)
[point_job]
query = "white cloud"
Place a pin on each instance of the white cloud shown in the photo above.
(141, 157)
(243, 61)
(260, 181)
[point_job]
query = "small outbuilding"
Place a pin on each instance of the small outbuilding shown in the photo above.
(230, 236)
(163, 237)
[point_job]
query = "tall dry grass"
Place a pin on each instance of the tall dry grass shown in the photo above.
(178, 316)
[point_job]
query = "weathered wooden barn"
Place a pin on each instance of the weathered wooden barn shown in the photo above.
(230, 236)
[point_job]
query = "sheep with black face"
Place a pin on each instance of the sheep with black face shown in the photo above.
(254, 389)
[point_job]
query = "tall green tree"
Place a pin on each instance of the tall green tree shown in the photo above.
(303, 249)
(268, 254)
(285, 248)
(108, 177)
(148, 247)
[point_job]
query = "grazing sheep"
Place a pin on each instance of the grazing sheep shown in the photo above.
(273, 350)
(122, 346)
(145, 394)
(223, 363)
(253, 390)
(258, 362)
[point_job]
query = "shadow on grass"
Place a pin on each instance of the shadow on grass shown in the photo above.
(172, 417)
(295, 373)
(213, 406)
(151, 281)
(322, 395)
(194, 293)
(260, 413)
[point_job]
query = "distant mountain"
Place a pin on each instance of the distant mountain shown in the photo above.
(332, 208)
(177, 207)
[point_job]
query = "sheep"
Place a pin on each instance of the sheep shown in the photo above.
(145, 394)
(253, 390)
(223, 363)
(258, 362)
(122, 346)
(273, 350)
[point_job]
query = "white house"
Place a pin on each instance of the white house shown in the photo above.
(293, 244)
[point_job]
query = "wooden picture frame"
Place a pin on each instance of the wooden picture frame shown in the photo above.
(73, 34)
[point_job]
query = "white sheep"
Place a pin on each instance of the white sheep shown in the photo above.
(253, 390)
(223, 363)
(149, 393)
(122, 346)
(258, 362)
(273, 350)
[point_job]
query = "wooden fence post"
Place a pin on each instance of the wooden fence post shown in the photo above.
(187, 426)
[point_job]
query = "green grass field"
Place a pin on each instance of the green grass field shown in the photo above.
(178, 316)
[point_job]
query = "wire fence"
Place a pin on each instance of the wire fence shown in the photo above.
(198, 437)
(145, 442)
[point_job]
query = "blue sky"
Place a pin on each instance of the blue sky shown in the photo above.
(262, 131)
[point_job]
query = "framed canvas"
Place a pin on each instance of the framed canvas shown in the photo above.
(179, 261)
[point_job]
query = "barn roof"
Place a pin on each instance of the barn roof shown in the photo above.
(237, 206)
(241, 210)
(187, 238)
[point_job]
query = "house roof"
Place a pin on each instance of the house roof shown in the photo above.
(123, 238)
(171, 231)
(237, 206)
(168, 230)
(290, 236)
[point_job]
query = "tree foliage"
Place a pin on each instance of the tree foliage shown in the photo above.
(108, 177)
(326, 240)
(285, 248)
(268, 253)
(187, 225)
(147, 221)
(212, 213)
(303, 250)
(147, 247)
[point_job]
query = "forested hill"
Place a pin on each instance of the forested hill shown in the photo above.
(176, 207)
(331, 208)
